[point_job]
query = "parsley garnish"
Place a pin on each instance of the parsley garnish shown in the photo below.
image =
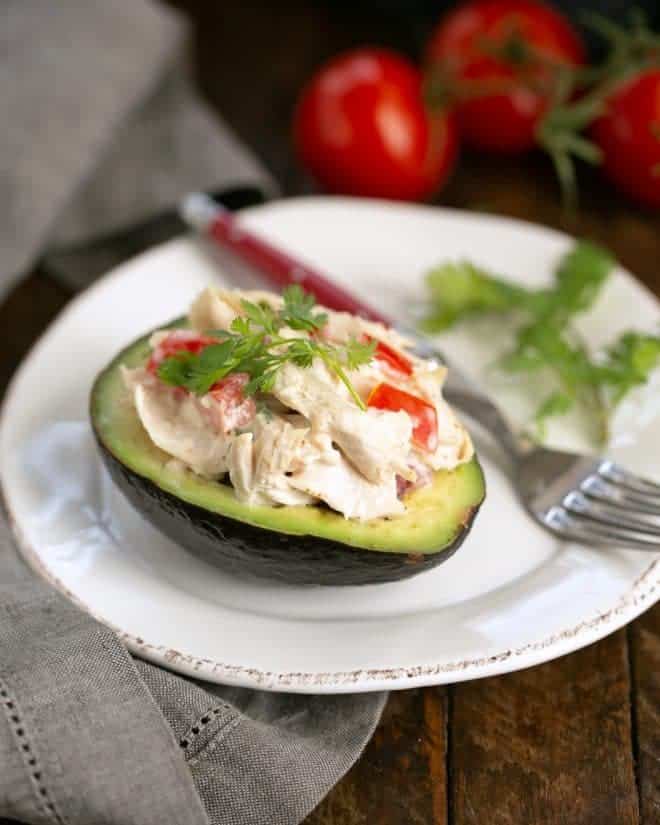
(254, 344)
(544, 338)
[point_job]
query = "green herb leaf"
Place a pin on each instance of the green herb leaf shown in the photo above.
(297, 312)
(240, 325)
(262, 315)
(177, 369)
(461, 289)
(199, 372)
(629, 362)
(257, 344)
(302, 352)
(556, 404)
(579, 278)
(544, 339)
(359, 353)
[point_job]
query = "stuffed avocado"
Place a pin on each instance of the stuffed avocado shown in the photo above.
(277, 439)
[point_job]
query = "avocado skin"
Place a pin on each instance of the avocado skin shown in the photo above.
(247, 550)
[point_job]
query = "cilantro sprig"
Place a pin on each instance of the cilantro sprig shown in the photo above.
(257, 343)
(544, 335)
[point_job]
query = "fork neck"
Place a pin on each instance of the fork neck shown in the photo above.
(478, 406)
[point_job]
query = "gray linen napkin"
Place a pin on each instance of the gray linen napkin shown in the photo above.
(98, 124)
(99, 128)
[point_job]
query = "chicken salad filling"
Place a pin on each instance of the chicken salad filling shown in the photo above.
(294, 404)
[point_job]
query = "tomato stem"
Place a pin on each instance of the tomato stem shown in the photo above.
(558, 132)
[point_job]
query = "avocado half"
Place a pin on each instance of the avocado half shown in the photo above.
(298, 545)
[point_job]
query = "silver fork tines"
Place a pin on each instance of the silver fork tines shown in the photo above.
(617, 496)
(578, 504)
(591, 501)
(613, 472)
(578, 497)
(589, 531)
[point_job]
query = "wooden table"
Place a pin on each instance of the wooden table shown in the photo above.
(574, 741)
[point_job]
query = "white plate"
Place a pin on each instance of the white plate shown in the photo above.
(512, 597)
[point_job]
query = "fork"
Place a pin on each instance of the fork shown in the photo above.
(579, 498)
(586, 499)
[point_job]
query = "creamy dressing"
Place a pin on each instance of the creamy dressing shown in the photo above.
(307, 441)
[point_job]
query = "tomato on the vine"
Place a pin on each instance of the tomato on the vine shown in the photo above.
(628, 135)
(499, 59)
(361, 128)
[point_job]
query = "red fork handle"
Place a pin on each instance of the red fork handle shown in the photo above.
(274, 265)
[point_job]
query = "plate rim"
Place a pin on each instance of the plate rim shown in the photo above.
(639, 597)
(629, 606)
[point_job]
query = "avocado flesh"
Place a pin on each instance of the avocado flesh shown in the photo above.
(206, 517)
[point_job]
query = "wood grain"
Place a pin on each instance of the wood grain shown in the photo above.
(645, 659)
(24, 314)
(525, 188)
(401, 778)
(253, 59)
(552, 744)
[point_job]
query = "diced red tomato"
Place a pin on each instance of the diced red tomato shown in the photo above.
(423, 414)
(391, 357)
(231, 409)
(180, 340)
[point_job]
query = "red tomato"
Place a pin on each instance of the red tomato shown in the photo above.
(628, 133)
(361, 128)
(501, 97)
(423, 415)
(180, 340)
(231, 409)
(391, 357)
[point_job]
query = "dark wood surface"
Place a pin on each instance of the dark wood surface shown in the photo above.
(573, 741)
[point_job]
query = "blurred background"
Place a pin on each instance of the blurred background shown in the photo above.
(114, 71)
(252, 60)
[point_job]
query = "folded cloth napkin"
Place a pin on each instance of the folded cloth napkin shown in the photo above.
(99, 128)
(99, 125)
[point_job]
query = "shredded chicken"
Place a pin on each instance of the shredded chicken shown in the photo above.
(217, 308)
(211, 311)
(310, 442)
(346, 490)
(342, 326)
(179, 426)
(376, 442)
(260, 463)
